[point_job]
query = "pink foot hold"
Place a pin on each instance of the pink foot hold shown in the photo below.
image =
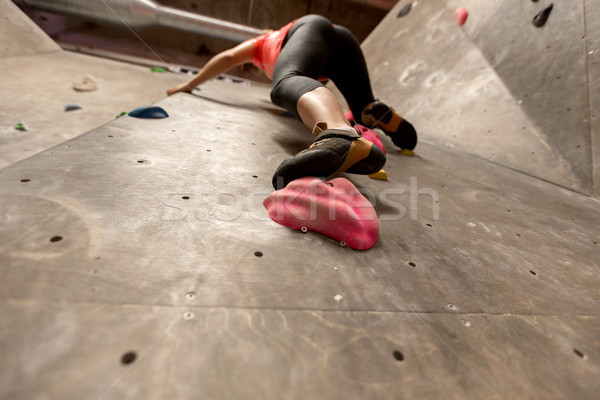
(367, 133)
(335, 208)
(461, 15)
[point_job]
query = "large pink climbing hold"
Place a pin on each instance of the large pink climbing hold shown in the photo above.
(461, 15)
(367, 133)
(335, 208)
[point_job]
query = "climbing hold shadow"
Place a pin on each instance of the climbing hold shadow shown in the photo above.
(153, 112)
(540, 19)
(405, 10)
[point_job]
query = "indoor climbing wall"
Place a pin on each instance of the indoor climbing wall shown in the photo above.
(138, 260)
(514, 84)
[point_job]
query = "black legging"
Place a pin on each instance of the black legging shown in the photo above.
(314, 48)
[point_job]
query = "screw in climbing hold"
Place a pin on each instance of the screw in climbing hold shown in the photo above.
(304, 229)
(343, 243)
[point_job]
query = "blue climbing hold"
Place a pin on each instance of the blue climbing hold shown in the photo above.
(149, 112)
(405, 10)
(72, 107)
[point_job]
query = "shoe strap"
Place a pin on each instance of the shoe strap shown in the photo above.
(319, 127)
(336, 133)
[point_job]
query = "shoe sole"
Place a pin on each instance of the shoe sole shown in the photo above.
(401, 132)
(354, 155)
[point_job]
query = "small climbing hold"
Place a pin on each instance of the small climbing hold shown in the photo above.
(87, 84)
(22, 127)
(71, 107)
(381, 175)
(461, 15)
(338, 297)
(122, 113)
(540, 19)
(158, 69)
(407, 152)
(367, 133)
(405, 10)
(153, 112)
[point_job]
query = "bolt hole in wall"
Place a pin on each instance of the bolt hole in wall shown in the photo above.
(398, 355)
(258, 253)
(128, 357)
(579, 353)
(25, 180)
(55, 239)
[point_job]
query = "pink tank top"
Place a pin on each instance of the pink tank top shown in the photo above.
(268, 47)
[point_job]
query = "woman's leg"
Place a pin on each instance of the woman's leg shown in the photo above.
(303, 59)
(348, 70)
(337, 148)
(321, 105)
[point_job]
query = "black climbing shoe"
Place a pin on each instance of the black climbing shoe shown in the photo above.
(334, 150)
(379, 115)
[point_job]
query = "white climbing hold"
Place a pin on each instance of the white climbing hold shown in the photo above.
(87, 84)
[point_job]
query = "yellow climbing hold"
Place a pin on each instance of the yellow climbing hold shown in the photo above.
(381, 175)
(407, 152)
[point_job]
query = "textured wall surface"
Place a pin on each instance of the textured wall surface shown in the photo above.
(138, 261)
(497, 87)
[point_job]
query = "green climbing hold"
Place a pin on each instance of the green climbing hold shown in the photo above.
(158, 69)
(21, 127)
(120, 115)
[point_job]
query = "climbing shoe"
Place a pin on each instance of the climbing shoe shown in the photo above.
(379, 115)
(334, 150)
